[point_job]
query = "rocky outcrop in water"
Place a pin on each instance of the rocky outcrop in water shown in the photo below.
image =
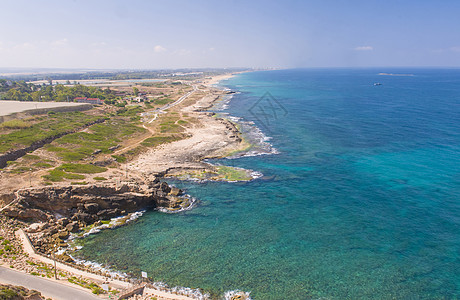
(60, 211)
(90, 203)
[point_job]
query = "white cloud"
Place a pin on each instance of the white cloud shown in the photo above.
(61, 42)
(455, 49)
(159, 49)
(364, 48)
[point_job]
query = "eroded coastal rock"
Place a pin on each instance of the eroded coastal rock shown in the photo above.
(56, 212)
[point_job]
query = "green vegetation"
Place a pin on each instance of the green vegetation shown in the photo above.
(42, 165)
(233, 174)
(15, 124)
(52, 125)
(59, 175)
(119, 158)
(158, 140)
(31, 157)
(162, 101)
(67, 171)
(21, 91)
(169, 124)
(135, 91)
(100, 178)
(221, 173)
(79, 182)
(95, 289)
(81, 168)
(21, 169)
(7, 293)
(101, 138)
(130, 111)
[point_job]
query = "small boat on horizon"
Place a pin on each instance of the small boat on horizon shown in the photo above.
(377, 83)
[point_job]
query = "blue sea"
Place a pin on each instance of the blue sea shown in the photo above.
(361, 201)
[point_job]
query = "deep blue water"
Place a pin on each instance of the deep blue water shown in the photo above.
(362, 202)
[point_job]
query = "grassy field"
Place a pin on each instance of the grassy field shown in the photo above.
(49, 126)
(100, 138)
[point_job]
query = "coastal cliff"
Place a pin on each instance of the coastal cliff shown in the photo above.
(62, 210)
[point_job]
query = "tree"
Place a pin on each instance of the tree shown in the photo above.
(135, 91)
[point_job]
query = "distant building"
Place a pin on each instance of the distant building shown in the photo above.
(96, 101)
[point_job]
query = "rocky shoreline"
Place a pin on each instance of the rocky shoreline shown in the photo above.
(56, 212)
(52, 214)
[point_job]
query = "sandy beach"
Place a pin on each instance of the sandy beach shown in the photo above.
(210, 137)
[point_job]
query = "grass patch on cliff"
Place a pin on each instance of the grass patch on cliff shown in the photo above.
(31, 157)
(100, 138)
(60, 175)
(81, 168)
(79, 182)
(119, 158)
(170, 124)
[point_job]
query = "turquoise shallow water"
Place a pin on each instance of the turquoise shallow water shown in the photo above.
(362, 202)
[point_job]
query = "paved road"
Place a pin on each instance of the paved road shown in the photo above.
(47, 287)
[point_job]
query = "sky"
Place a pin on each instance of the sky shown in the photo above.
(159, 34)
